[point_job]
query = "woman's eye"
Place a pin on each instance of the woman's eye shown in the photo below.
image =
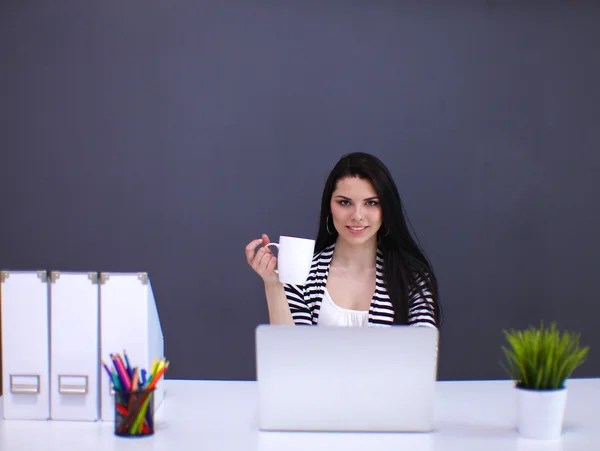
(373, 203)
(344, 202)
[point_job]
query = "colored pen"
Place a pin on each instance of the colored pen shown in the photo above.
(158, 375)
(134, 383)
(122, 372)
(116, 382)
(126, 378)
(110, 374)
(127, 364)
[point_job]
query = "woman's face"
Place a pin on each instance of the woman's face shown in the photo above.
(356, 210)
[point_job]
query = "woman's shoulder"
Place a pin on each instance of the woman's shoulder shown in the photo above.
(320, 264)
(324, 254)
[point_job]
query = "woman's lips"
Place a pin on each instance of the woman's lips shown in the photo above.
(356, 230)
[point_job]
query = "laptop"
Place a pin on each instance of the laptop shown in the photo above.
(319, 378)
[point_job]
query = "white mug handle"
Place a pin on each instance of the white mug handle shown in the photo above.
(273, 244)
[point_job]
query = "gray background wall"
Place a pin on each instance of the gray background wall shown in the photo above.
(163, 136)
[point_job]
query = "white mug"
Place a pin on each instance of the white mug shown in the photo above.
(294, 259)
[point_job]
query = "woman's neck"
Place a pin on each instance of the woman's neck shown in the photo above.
(354, 257)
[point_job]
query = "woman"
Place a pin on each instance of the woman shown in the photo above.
(367, 269)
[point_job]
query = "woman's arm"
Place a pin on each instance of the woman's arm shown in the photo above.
(297, 305)
(279, 310)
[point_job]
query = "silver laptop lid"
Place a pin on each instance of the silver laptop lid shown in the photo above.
(315, 378)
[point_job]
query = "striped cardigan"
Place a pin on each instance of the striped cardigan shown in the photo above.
(305, 301)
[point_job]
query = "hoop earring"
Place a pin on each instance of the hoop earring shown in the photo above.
(327, 225)
(388, 232)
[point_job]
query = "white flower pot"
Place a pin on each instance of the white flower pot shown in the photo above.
(540, 413)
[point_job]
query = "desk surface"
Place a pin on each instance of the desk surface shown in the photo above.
(222, 415)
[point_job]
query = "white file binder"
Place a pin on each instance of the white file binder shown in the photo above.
(129, 322)
(25, 353)
(74, 346)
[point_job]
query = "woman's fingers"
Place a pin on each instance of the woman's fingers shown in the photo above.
(265, 258)
(271, 265)
(250, 253)
(262, 261)
(255, 263)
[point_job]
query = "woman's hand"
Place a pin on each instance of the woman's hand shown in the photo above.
(262, 261)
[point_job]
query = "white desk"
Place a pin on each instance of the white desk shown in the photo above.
(219, 415)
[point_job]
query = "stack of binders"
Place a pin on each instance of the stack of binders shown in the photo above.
(57, 328)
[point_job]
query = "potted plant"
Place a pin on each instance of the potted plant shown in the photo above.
(539, 362)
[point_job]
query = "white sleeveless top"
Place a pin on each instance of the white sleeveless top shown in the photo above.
(331, 314)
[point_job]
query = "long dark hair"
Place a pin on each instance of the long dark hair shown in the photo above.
(404, 262)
